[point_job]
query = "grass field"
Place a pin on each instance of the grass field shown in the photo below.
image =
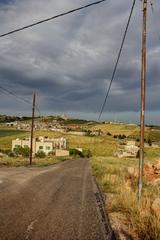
(18, 162)
(99, 146)
(10, 132)
(7, 135)
(116, 129)
(121, 198)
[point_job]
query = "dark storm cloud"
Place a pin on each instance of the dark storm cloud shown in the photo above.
(69, 62)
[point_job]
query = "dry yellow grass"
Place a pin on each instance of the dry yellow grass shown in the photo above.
(99, 146)
(116, 129)
(113, 177)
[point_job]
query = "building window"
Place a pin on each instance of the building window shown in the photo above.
(48, 148)
(40, 147)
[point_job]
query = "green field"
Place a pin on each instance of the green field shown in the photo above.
(10, 132)
(99, 146)
(7, 135)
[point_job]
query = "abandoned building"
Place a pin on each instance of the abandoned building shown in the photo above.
(128, 149)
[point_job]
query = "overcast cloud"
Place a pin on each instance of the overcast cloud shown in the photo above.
(68, 62)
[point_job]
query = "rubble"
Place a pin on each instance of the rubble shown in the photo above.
(128, 149)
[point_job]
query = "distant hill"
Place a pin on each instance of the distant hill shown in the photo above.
(5, 118)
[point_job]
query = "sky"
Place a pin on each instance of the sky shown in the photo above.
(68, 62)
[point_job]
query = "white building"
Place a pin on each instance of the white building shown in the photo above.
(41, 144)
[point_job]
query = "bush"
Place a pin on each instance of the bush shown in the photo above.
(22, 151)
(52, 153)
(121, 136)
(40, 154)
(74, 152)
(109, 134)
(11, 154)
(25, 152)
(84, 154)
(18, 150)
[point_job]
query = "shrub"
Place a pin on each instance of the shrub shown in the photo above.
(74, 152)
(86, 153)
(109, 134)
(11, 154)
(23, 151)
(40, 154)
(121, 136)
(52, 153)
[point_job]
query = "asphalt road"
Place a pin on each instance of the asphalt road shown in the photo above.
(61, 202)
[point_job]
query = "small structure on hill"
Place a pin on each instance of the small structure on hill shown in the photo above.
(128, 149)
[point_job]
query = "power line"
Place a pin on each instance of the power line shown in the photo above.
(8, 92)
(117, 61)
(15, 95)
(51, 18)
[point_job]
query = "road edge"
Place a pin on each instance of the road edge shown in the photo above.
(104, 218)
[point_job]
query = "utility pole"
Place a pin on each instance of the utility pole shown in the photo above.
(143, 90)
(32, 129)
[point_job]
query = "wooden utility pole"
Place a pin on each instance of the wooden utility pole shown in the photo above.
(143, 90)
(32, 129)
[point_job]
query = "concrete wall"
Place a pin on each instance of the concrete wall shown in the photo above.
(16, 143)
(77, 133)
(62, 153)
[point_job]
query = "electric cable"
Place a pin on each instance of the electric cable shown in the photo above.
(117, 61)
(8, 92)
(13, 94)
(51, 18)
